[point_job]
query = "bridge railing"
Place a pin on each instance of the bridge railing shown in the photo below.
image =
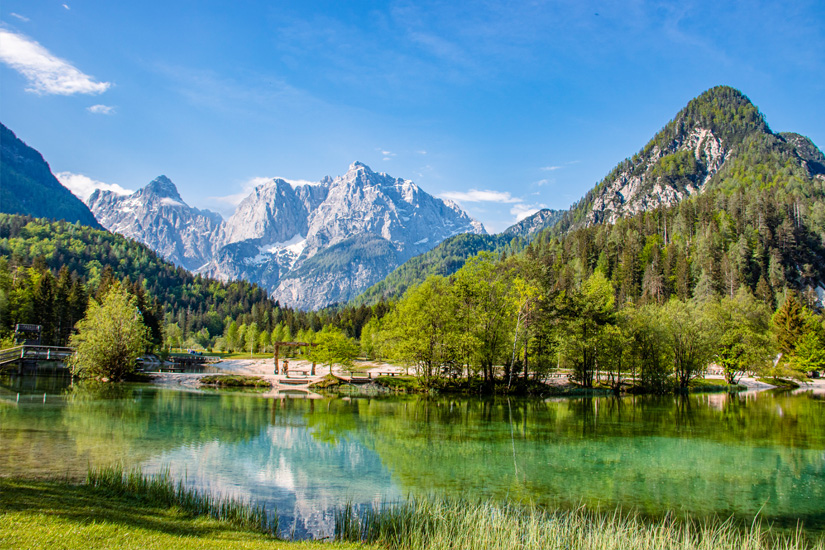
(47, 353)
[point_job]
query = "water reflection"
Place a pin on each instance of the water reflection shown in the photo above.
(715, 454)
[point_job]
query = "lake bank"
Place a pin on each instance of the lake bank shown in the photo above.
(49, 513)
(300, 376)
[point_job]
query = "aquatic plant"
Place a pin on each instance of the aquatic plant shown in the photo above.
(161, 489)
(437, 523)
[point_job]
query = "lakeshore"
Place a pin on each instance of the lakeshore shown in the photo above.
(300, 371)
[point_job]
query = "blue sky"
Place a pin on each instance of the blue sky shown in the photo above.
(504, 106)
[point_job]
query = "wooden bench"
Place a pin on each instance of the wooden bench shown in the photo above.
(297, 374)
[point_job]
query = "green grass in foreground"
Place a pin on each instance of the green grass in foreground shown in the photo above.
(55, 514)
(435, 524)
(128, 510)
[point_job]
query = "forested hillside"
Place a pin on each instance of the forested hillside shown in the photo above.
(49, 269)
(449, 256)
(708, 246)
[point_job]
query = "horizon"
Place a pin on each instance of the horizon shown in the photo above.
(502, 109)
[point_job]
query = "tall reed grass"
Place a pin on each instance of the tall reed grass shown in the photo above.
(430, 523)
(162, 490)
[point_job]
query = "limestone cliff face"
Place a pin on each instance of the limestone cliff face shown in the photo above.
(159, 218)
(651, 183)
(317, 244)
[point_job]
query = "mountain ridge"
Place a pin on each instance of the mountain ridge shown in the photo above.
(28, 187)
(369, 220)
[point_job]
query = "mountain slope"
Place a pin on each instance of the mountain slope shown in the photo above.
(449, 256)
(158, 217)
(720, 139)
(27, 185)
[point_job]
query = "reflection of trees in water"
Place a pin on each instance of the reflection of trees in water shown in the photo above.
(96, 423)
(677, 453)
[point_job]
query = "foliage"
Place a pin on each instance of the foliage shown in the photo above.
(743, 337)
(334, 348)
(163, 491)
(434, 523)
(234, 381)
(110, 337)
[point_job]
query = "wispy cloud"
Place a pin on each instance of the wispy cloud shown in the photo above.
(66, 6)
(523, 210)
(235, 199)
(22, 18)
(386, 155)
(475, 195)
(101, 109)
(46, 73)
(83, 186)
(550, 168)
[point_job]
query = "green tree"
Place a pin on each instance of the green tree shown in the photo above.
(809, 354)
(587, 312)
(334, 348)
(421, 330)
(743, 335)
(110, 337)
(690, 338)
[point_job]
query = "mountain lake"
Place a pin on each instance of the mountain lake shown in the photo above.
(706, 455)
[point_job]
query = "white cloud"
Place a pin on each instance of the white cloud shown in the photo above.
(66, 6)
(101, 109)
(474, 195)
(83, 186)
(46, 73)
(422, 152)
(22, 18)
(550, 168)
(235, 199)
(542, 182)
(522, 210)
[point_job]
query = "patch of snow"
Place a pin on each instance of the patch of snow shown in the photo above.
(422, 241)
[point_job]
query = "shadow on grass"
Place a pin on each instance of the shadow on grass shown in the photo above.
(84, 505)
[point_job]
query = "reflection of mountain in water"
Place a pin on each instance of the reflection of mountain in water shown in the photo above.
(287, 466)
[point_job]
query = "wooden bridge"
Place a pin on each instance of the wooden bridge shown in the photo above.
(31, 354)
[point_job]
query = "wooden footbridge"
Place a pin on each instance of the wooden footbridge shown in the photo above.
(28, 355)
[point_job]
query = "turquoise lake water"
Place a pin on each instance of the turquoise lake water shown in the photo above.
(713, 454)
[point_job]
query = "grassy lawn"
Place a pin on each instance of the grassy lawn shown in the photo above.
(50, 514)
(779, 382)
(713, 384)
(235, 381)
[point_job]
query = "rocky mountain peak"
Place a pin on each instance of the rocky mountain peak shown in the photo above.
(162, 187)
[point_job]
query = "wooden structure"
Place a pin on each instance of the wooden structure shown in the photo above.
(26, 357)
(27, 335)
(279, 345)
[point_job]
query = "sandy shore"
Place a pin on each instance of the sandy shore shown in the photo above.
(300, 375)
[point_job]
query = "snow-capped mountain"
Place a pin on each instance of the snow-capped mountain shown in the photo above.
(159, 218)
(317, 244)
(311, 244)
